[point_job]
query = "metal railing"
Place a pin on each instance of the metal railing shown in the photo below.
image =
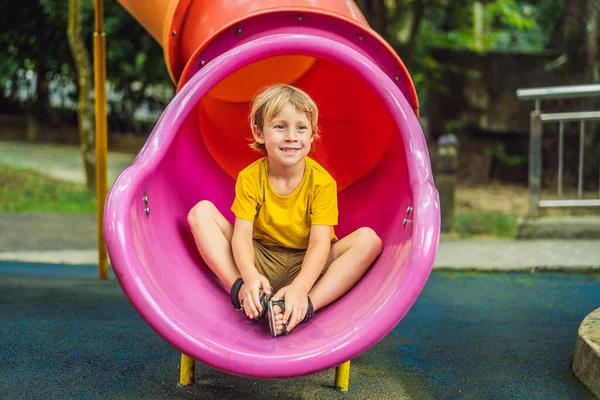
(537, 119)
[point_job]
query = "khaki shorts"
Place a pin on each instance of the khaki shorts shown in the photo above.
(279, 265)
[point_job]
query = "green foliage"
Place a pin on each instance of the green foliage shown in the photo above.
(25, 190)
(34, 34)
(503, 21)
(135, 63)
(505, 159)
(507, 25)
(485, 223)
(508, 13)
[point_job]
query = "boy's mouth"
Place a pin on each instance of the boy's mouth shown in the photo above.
(290, 150)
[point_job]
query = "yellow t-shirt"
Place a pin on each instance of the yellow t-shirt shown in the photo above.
(286, 220)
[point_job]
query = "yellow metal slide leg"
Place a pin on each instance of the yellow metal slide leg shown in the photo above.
(101, 129)
(342, 376)
(186, 375)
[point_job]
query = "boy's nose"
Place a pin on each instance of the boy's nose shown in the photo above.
(291, 135)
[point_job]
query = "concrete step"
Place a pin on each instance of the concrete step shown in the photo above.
(579, 227)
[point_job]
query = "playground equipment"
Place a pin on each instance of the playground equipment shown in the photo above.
(220, 54)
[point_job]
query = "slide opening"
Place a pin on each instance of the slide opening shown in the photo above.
(188, 173)
(355, 126)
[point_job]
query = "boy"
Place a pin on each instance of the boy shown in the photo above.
(283, 240)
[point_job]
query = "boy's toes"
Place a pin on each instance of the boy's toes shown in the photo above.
(279, 322)
(278, 317)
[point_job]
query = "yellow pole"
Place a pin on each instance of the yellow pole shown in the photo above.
(342, 376)
(186, 375)
(101, 139)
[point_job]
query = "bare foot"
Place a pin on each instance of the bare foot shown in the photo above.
(278, 318)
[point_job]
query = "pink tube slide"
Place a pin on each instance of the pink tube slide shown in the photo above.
(371, 142)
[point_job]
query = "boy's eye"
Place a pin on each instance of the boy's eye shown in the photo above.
(301, 127)
(279, 126)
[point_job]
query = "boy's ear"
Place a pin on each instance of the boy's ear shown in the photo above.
(258, 135)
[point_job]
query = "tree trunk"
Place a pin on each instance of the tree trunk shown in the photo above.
(378, 17)
(14, 87)
(375, 12)
(84, 109)
(32, 115)
(574, 38)
(418, 14)
(42, 93)
(593, 66)
(592, 75)
(32, 124)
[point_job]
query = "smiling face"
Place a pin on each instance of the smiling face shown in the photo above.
(287, 137)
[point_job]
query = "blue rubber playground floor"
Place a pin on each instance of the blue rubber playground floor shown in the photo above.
(64, 334)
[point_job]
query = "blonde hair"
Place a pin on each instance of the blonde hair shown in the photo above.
(270, 101)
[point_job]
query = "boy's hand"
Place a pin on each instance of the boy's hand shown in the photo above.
(296, 305)
(250, 291)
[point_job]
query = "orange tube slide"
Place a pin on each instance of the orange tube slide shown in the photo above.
(185, 27)
(190, 30)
